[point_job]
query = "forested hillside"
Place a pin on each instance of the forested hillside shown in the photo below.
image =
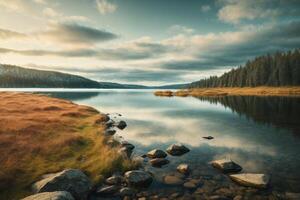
(13, 76)
(17, 77)
(280, 69)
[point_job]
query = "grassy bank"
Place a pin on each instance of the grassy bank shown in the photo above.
(40, 135)
(236, 91)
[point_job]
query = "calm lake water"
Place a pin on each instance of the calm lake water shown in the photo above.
(259, 133)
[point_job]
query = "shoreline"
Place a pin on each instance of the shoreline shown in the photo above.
(41, 135)
(227, 91)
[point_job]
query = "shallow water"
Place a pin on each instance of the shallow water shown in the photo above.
(259, 133)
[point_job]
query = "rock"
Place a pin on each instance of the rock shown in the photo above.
(107, 190)
(177, 150)
(109, 132)
(175, 195)
(208, 137)
(110, 123)
(190, 185)
(70, 180)
(138, 178)
(251, 180)
(125, 152)
(127, 145)
(238, 197)
(158, 162)
(292, 196)
(156, 153)
(126, 191)
(226, 166)
(58, 195)
(217, 197)
(172, 180)
(121, 125)
(183, 168)
(115, 180)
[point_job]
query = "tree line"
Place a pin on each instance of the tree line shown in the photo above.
(279, 69)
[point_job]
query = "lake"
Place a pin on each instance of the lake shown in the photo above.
(259, 133)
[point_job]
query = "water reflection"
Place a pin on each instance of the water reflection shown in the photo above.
(264, 144)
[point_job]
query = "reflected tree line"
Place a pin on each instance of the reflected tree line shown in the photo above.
(282, 112)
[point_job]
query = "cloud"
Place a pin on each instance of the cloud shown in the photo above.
(44, 2)
(55, 16)
(7, 34)
(180, 29)
(184, 57)
(105, 7)
(205, 8)
(71, 33)
(13, 5)
(233, 11)
(135, 50)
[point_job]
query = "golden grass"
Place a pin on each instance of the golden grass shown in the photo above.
(40, 135)
(235, 91)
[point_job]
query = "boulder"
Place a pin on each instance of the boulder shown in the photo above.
(251, 180)
(121, 125)
(177, 149)
(138, 178)
(172, 180)
(115, 180)
(125, 152)
(126, 191)
(226, 166)
(70, 180)
(58, 195)
(156, 153)
(158, 162)
(183, 168)
(107, 190)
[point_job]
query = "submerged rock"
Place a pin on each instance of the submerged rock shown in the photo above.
(138, 178)
(70, 180)
(208, 137)
(183, 168)
(107, 190)
(190, 185)
(121, 125)
(126, 191)
(156, 153)
(172, 180)
(177, 149)
(109, 132)
(251, 180)
(58, 195)
(115, 180)
(226, 166)
(158, 162)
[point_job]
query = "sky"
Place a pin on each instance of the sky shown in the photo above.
(150, 42)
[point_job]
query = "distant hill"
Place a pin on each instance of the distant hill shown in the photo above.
(18, 77)
(12, 76)
(279, 69)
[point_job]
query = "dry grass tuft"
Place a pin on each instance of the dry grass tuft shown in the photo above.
(40, 135)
